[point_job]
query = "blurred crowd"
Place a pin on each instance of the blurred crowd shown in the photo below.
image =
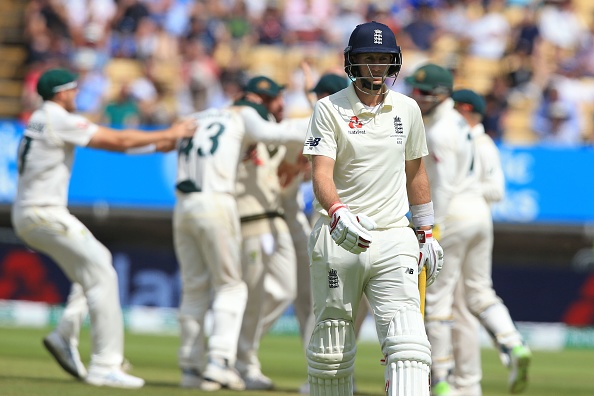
(147, 62)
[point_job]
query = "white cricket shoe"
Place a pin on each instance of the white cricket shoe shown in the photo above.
(255, 380)
(218, 370)
(191, 379)
(65, 354)
(113, 377)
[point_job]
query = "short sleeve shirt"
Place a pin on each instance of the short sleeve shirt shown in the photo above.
(46, 154)
(370, 148)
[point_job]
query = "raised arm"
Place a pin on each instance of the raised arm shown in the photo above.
(115, 140)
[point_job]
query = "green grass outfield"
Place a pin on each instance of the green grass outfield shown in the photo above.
(26, 369)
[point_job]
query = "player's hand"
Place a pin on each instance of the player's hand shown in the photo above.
(350, 231)
(183, 129)
(431, 255)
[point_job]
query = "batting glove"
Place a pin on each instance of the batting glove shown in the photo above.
(349, 231)
(431, 255)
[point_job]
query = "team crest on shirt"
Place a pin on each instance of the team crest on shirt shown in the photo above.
(398, 130)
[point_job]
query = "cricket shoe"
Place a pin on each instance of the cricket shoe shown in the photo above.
(255, 380)
(113, 377)
(65, 354)
(520, 357)
(218, 370)
(442, 388)
(191, 379)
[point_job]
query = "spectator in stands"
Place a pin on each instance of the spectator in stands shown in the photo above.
(496, 108)
(305, 20)
(488, 36)
(558, 128)
(121, 111)
(125, 23)
(421, 31)
(560, 26)
(556, 118)
(271, 29)
(92, 83)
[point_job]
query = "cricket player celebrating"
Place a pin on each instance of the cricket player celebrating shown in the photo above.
(207, 236)
(464, 218)
(268, 255)
(41, 219)
(466, 372)
(366, 145)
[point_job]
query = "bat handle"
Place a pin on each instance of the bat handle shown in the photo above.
(423, 289)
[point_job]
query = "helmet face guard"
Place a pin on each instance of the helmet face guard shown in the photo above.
(354, 72)
(372, 37)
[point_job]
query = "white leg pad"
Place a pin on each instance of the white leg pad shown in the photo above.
(331, 358)
(407, 355)
(498, 322)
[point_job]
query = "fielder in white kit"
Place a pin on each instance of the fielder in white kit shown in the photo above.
(466, 373)
(207, 238)
(366, 145)
(41, 219)
(464, 219)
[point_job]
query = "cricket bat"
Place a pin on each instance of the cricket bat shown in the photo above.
(423, 289)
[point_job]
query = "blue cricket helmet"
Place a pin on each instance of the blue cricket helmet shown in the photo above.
(372, 37)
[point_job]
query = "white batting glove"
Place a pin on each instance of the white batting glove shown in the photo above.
(348, 230)
(431, 255)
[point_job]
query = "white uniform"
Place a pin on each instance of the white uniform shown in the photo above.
(207, 234)
(467, 372)
(464, 218)
(370, 148)
(268, 255)
(41, 219)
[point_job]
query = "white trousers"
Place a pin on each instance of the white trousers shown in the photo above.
(88, 264)
(268, 267)
(386, 273)
(207, 245)
(467, 241)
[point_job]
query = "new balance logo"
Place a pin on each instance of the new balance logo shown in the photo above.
(332, 279)
(312, 142)
(377, 36)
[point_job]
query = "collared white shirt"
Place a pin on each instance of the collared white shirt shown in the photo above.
(370, 150)
(451, 166)
(46, 154)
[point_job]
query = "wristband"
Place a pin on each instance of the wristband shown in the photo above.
(422, 215)
(335, 206)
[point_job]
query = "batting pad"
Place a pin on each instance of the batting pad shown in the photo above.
(331, 358)
(408, 355)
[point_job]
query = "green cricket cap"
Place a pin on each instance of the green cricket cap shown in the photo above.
(264, 86)
(330, 83)
(472, 98)
(53, 81)
(430, 77)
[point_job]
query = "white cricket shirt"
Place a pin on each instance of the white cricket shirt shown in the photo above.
(210, 158)
(46, 153)
(488, 163)
(451, 163)
(370, 150)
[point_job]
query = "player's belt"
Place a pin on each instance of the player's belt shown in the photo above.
(187, 186)
(261, 216)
